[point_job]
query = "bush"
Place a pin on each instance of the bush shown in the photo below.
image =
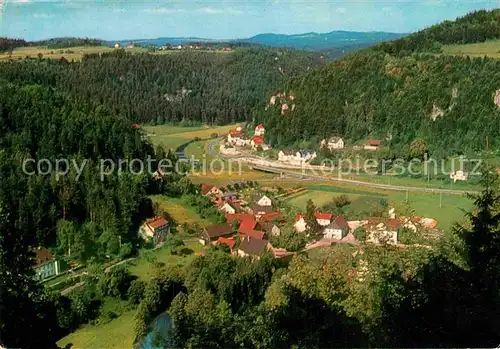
(136, 291)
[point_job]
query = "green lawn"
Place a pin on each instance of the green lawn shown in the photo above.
(143, 269)
(118, 333)
(179, 210)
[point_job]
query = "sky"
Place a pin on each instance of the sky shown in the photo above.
(221, 19)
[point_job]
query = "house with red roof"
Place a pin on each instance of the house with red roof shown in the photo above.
(225, 241)
(210, 190)
(383, 232)
(257, 141)
(323, 219)
(372, 144)
(259, 130)
(154, 230)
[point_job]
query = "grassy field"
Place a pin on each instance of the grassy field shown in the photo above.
(179, 211)
(119, 333)
(174, 136)
(488, 48)
(424, 204)
(143, 269)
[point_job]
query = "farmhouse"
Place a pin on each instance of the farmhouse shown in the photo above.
(209, 190)
(155, 230)
(337, 229)
(383, 232)
(333, 143)
(252, 247)
(213, 232)
(372, 144)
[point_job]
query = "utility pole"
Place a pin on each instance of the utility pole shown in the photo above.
(407, 195)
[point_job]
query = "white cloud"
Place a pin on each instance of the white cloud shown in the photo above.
(19, 1)
(341, 10)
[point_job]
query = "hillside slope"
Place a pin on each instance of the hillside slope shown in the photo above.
(450, 102)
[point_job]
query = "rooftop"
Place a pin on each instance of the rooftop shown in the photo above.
(253, 246)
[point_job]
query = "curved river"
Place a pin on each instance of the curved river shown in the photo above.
(157, 336)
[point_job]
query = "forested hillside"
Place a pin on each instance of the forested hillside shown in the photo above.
(449, 102)
(71, 209)
(182, 86)
(476, 26)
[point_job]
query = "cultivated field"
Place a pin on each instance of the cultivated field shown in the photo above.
(174, 136)
(488, 48)
(76, 53)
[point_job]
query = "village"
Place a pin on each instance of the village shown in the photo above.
(249, 149)
(254, 217)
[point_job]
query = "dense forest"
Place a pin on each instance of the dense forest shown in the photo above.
(73, 210)
(447, 101)
(208, 87)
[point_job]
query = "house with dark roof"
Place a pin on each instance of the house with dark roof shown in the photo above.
(337, 229)
(230, 207)
(45, 264)
(258, 210)
(253, 247)
(271, 228)
(154, 230)
(212, 233)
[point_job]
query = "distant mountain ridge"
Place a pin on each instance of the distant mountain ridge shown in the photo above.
(321, 41)
(311, 41)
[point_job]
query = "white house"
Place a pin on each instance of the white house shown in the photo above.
(333, 143)
(459, 176)
(228, 208)
(323, 219)
(383, 232)
(155, 229)
(259, 130)
(337, 229)
(300, 223)
(296, 157)
(263, 201)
